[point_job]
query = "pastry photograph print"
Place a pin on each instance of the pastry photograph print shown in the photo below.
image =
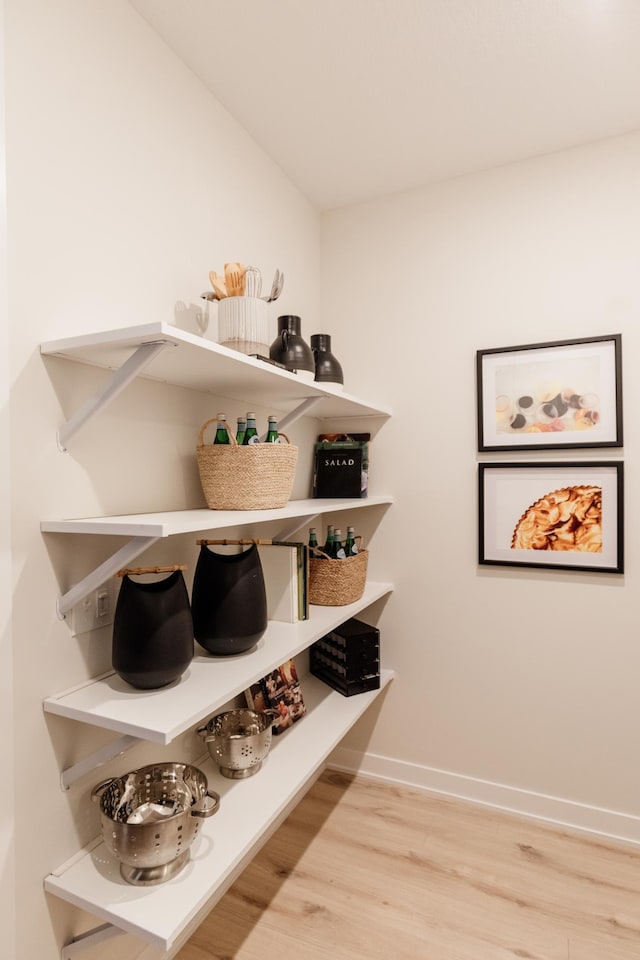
(565, 519)
(567, 393)
(560, 515)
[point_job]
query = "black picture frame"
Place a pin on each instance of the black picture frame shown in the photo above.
(555, 395)
(552, 514)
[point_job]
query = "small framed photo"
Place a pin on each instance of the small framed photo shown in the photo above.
(562, 515)
(567, 393)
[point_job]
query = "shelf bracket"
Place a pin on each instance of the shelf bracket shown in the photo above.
(288, 532)
(300, 411)
(122, 558)
(111, 750)
(119, 379)
(89, 939)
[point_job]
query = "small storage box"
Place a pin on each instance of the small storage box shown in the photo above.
(348, 658)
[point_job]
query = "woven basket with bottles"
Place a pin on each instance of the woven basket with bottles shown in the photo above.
(258, 476)
(332, 583)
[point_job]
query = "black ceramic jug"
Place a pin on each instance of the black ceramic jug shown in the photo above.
(289, 348)
(328, 370)
(228, 600)
(152, 631)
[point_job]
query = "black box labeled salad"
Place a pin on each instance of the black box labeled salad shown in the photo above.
(341, 465)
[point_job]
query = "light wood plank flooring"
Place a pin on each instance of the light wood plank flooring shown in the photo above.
(363, 870)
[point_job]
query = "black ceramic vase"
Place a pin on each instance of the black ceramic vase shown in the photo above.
(289, 348)
(228, 600)
(328, 370)
(152, 631)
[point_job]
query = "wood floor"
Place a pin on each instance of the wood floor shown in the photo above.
(362, 870)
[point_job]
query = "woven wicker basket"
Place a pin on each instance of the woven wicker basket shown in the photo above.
(256, 477)
(332, 583)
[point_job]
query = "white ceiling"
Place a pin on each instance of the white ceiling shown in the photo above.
(355, 99)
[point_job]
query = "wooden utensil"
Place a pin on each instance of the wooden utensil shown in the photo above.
(218, 284)
(234, 274)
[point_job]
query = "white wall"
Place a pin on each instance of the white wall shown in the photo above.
(512, 683)
(127, 183)
(7, 798)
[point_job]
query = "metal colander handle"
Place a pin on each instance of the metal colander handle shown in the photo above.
(99, 789)
(209, 735)
(203, 808)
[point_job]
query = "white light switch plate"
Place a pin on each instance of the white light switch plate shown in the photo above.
(95, 610)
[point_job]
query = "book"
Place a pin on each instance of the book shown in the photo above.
(285, 568)
(344, 437)
(255, 697)
(280, 690)
(341, 465)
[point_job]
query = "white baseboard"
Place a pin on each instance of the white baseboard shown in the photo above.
(608, 824)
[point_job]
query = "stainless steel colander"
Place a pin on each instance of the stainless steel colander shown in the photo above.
(151, 816)
(239, 740)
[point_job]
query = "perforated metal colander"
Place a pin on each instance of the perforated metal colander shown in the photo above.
(239, 740)
(151, 816)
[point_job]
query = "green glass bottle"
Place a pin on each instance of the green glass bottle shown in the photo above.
(251, 433)
(329, 539)
(338, 548)
(328, 544)
(313, 542)
(350, 545)
(240, 430)
(272, 433)
(222, 432)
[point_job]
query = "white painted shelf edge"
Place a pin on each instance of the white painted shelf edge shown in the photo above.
(249, 812)
(209, 683)
(172, 522)
(199, 363)
(144, 529)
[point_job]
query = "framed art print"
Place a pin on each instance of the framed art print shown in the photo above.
(566, 393)
(563, 515)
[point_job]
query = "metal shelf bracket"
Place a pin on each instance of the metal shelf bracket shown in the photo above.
(122, 558)
(288, 532)
(300, 411)
(111, 750)
(119, 379)
(89, 939)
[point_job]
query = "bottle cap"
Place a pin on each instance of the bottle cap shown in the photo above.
(251, 416)
(221, 416)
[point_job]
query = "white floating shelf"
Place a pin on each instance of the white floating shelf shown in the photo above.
(209, 682)
(249, 812)
(144, 529)
(174, 522)
(200, 364)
